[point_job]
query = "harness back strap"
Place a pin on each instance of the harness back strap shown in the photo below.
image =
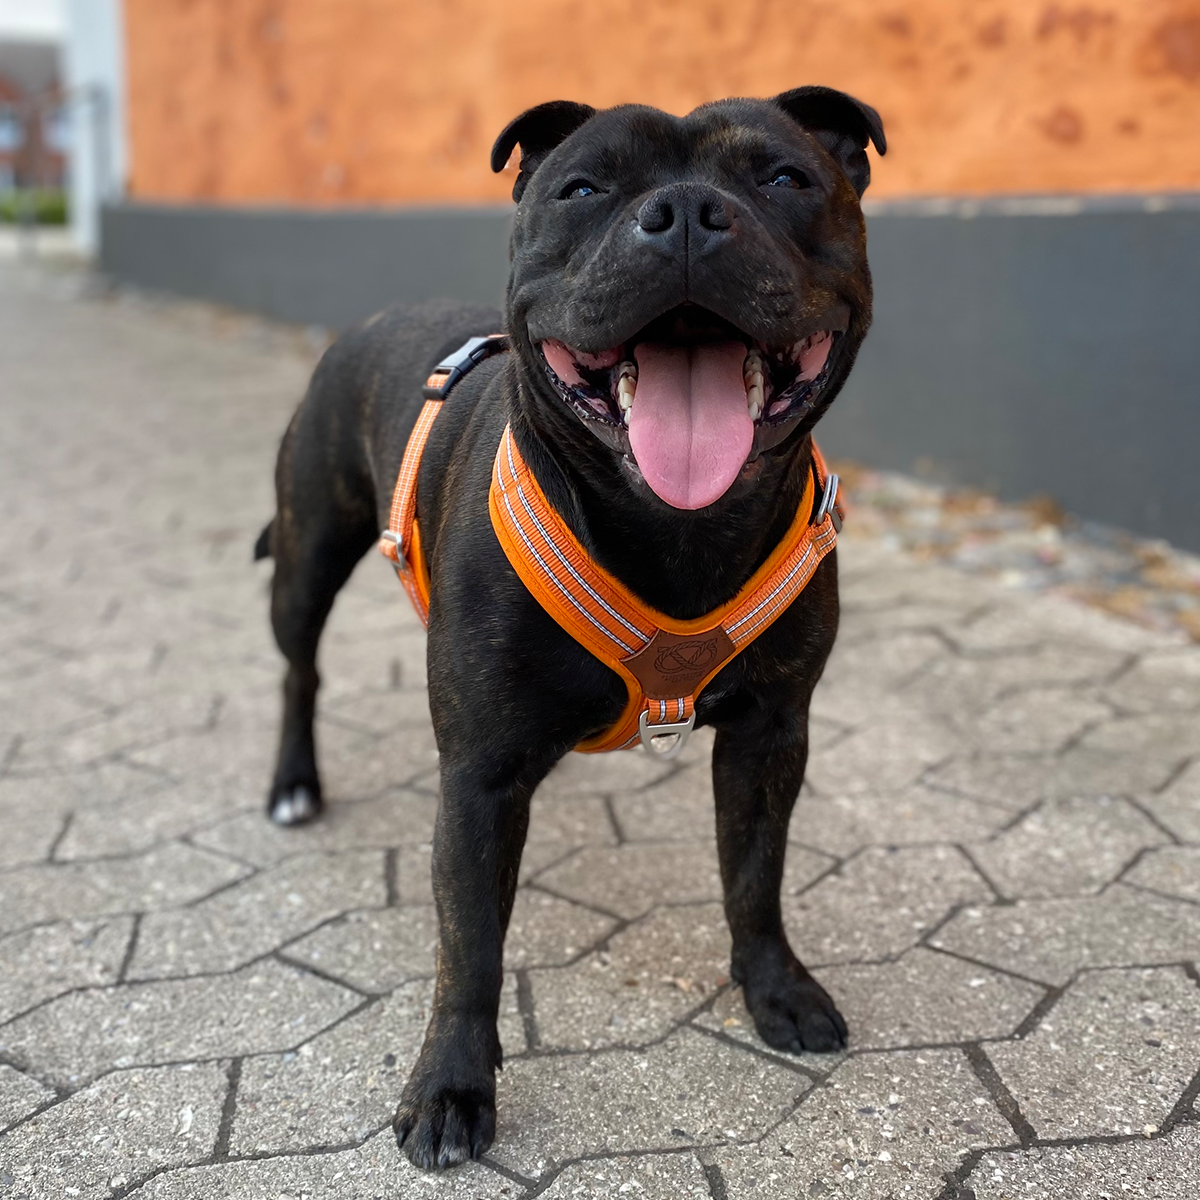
(401, 541)
(665, 663)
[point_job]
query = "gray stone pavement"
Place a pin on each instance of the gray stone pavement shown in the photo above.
(995, 863)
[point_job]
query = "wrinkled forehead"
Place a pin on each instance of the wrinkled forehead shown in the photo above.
(731, 131)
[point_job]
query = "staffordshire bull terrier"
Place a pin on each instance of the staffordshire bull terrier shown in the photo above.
(687, 297)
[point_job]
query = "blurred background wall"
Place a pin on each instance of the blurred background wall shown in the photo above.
(353, 101)
(1034, 229)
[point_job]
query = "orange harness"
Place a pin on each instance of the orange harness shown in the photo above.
(665, 663)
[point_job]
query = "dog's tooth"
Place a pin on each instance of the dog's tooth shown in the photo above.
(626, 390)
(754, 399)
(626, 414)
(753, 364)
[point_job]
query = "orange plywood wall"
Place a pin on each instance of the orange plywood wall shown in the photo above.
(386, 101)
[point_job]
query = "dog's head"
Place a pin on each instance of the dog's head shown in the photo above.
(693, 289)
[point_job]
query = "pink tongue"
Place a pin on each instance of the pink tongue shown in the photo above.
(690, 429)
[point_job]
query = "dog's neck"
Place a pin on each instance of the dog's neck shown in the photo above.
(684, 564)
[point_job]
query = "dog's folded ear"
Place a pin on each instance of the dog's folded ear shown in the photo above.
(842, 124)
(538, 130)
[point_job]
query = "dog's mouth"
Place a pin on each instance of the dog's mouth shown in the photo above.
(691, 399)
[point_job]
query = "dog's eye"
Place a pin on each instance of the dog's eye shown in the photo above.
(790, 179)
(578, 190)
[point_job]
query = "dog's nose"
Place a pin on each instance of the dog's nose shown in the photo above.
(686, 215)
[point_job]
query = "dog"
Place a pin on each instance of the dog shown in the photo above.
(656, 263)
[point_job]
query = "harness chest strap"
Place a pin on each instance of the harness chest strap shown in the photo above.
(665, 663)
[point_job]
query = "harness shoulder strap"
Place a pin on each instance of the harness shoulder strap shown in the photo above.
(665, 663)
(400, 543)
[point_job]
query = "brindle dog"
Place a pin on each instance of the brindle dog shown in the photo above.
(685, 253)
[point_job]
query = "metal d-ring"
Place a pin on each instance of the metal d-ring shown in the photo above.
(828, 505)
(650, 734)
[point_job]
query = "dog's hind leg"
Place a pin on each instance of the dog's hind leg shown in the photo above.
(321, 530)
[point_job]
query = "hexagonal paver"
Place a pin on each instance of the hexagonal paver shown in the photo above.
(375, 950)
(265, 1007)
(160, 878)
(842, 824)
(879, 904)
(545, 931)
(884, 756)
(117, 1131)
(1174, 870)
(244, 922)
(885, 1124)
(1162, 1169)
(402, 817)
(1066, 847)
(1161, 682)
(679, 808)
(1113, 1056)
(375, 1169)
(648, 977)
(51, 959)
(345, 1084)
(646, 1177)
(1178, 805)
(1050, 940)
(926, 998)
(19, 1095)
(689, 1090)
(1032, 721)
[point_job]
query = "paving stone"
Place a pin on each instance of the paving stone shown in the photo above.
(1162, 1169)
(375, 950)
(576, 774)
(879, 904)
(160, 878)
(885, 1125)
(841, 824)
(262, 1008)
(562, 822)
(956, 686)
(399, 818)
(117, 1131)
(1031, 721)
(1169, 680)
(1019, 781)
(648, 1177)
(884, 756)
(926, 998)
(254, 917)
(1178, 805)
(862, 677)
(1066, 847)
(19, 1095)
(545, 931)
(377, 711)
(345, 1084)
(631, 879)
(1171, 869)
(1160, 737)
(1049, 940)
(647, 978)
(689, 1090)
(30, 838)
(1112, 1057)
(369, 1172)
(679, 808)
(44, 962)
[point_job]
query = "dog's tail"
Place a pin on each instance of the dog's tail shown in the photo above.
(262, 547)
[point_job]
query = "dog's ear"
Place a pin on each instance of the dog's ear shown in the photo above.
(842, 124)
(538, 130)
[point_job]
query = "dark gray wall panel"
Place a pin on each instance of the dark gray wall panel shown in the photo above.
(325, 267)
(1023, 346)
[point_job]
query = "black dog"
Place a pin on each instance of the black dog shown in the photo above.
(638, 236)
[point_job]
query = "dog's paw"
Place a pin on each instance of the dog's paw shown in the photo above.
(442, 1127)
(294, 806)
(793, 1012)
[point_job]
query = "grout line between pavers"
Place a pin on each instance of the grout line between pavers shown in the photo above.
(1003, 1099)
(228, 1110)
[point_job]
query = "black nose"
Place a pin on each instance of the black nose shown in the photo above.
(694, 215)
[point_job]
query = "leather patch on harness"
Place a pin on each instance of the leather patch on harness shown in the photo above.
(671, 665)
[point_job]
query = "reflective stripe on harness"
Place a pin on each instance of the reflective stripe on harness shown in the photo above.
(664, 663)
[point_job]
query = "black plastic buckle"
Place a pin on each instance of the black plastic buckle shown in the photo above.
(466, 358)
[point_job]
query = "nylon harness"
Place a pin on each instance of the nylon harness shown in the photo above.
(664, 663)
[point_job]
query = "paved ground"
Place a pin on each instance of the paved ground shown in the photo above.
(995, 866)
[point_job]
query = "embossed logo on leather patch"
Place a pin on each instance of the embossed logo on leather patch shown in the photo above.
(672, 665)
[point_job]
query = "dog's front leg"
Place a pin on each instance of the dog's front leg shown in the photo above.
(758, 766)
(447, 1113)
